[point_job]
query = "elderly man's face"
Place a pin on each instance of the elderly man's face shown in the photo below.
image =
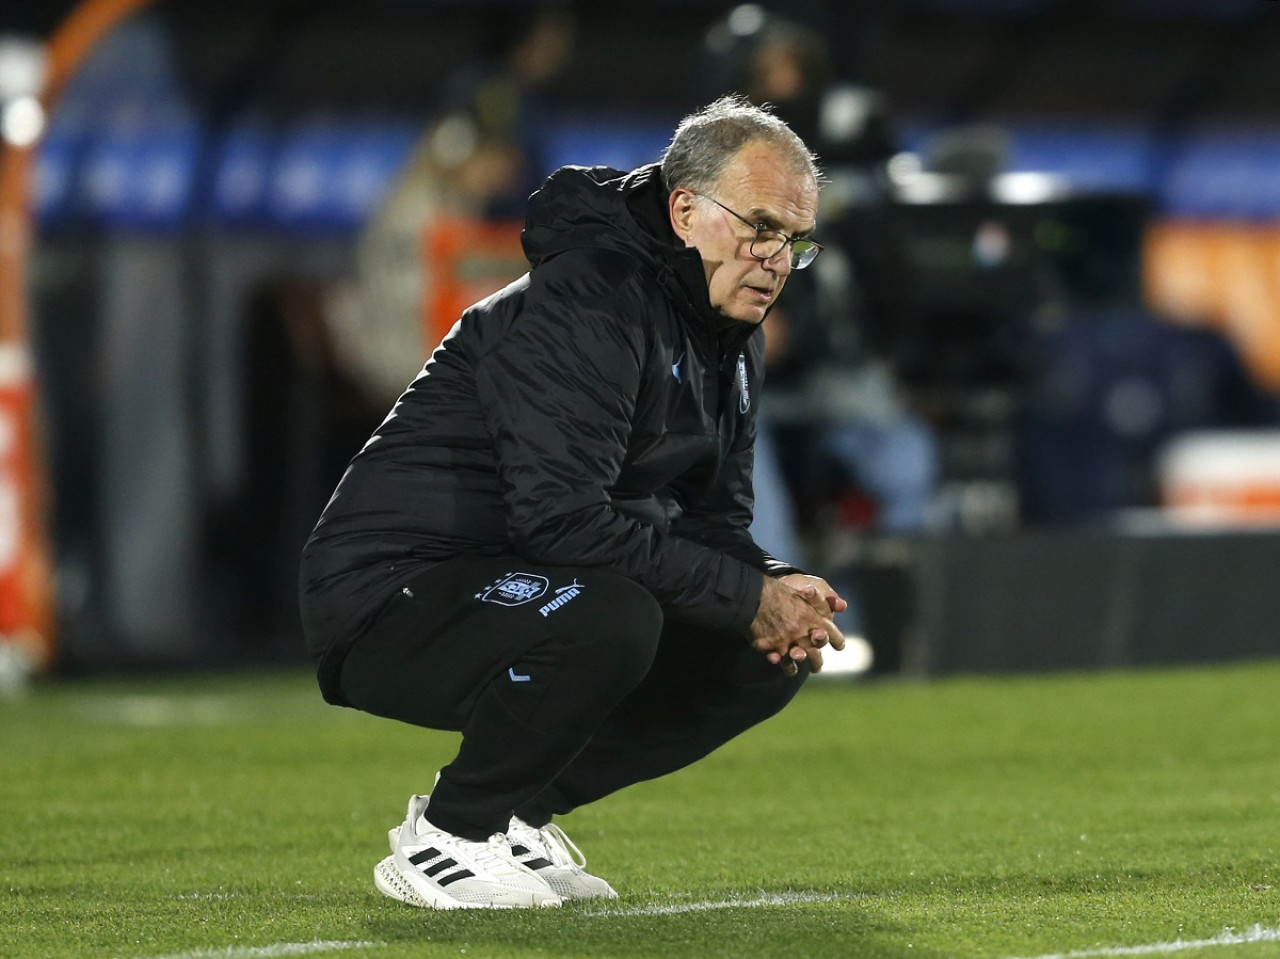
(760, 186)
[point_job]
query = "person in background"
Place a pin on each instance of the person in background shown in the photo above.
(477, 160)
(830, 387)
(545, 545)
(487, 137)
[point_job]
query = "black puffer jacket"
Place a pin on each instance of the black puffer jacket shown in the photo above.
(588, 414)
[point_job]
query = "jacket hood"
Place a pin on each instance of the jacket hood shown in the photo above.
(603, 208)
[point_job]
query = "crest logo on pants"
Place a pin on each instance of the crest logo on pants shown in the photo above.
(514, 589)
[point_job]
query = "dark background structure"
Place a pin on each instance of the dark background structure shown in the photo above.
(207, 179)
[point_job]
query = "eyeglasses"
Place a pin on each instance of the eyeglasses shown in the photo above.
(769, 242)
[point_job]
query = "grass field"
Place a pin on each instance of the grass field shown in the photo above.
(1088, 815)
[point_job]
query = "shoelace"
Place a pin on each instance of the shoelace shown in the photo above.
(564, 852)
(494, 851)
(550, 842)
(495, 855)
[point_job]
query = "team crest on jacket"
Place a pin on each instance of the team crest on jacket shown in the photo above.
(514, 589)
(744, 394)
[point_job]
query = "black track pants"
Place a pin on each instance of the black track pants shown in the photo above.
(564, 682)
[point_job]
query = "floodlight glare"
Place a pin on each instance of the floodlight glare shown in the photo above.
(22, 121)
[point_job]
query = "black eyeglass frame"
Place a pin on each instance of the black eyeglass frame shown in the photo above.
(799, 259)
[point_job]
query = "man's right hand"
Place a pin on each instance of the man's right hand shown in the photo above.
(792, 625)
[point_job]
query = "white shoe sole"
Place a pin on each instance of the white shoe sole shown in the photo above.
(391, 882)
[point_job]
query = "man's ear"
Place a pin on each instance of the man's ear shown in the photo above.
(680, 205)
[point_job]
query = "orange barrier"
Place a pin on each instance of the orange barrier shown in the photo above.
(466, 260)
(26, 578)
(1225, 275)
(26, 599)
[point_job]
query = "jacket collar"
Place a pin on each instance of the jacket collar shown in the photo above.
(581, 207)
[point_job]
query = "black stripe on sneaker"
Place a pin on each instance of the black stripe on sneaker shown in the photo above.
(454, 877)
(419, 858)
(537, 862)
(441, 866)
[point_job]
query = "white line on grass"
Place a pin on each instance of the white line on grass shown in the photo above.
(273, 951)
(767, 899)
(281, 949)
(1227, 937)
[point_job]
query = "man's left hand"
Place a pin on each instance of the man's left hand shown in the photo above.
(826, 601)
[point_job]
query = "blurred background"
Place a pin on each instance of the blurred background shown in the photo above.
(1025, 408)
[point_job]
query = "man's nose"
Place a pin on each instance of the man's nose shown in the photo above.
(780, 262)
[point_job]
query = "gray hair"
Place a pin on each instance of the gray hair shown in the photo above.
(706, 140)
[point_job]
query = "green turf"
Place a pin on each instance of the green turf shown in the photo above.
(976, 818)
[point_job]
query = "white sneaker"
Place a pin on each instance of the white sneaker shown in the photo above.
(555, 858)
(433, 869)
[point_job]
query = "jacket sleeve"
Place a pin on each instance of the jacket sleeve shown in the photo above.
(559, 390)
(722, 519)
